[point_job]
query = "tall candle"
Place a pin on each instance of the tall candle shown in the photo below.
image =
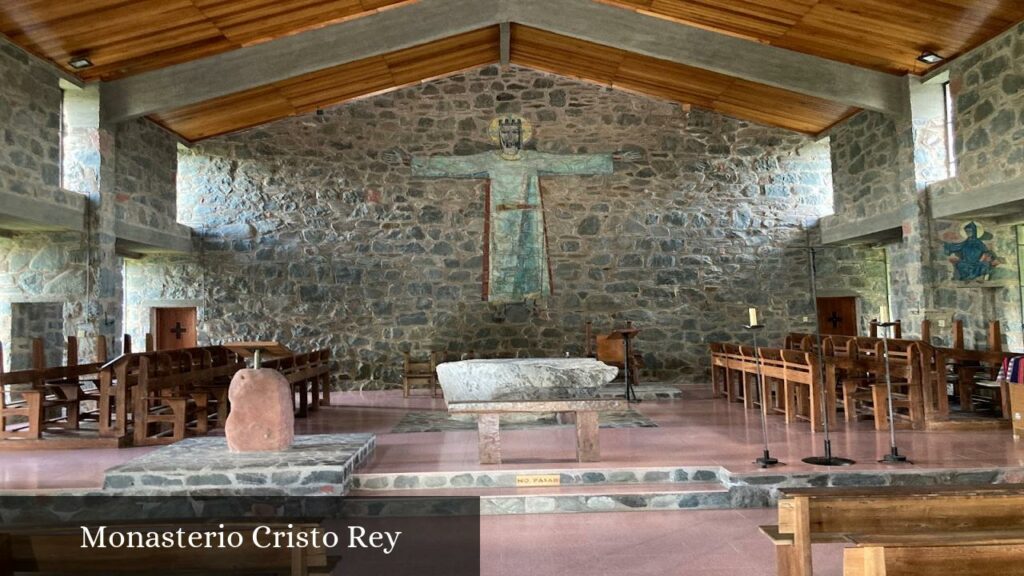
(883, 315)
(753, 316)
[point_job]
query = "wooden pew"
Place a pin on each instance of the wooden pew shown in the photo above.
(794, 374)
(960, 553)
(827, 515)
(309, 374)
(120, 377)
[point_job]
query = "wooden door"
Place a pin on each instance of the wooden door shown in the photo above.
(175, 328)
(838, 315)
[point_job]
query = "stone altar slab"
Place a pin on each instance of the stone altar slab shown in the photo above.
(524, 379)
(320, 464)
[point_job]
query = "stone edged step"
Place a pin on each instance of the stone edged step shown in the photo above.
(580, 498)
(506, 478)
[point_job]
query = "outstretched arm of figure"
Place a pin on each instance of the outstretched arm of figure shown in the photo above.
(472, 166)
(580, 163)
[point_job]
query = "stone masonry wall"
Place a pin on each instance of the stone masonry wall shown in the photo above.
(314, 239)
(146, 165)
(29, 125)
(988, 85)
(864, 156)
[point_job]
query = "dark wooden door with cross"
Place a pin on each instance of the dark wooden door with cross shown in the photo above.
(175, 328)
(838, 315)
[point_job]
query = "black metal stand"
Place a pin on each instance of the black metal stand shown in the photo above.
(828, 459)
(766, 459)
(894, 456)
(630, 393)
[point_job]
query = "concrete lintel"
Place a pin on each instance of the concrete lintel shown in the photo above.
(753, 61)
(505, 43)
(883, 228)
(133, 239)
(384, 31)
(25, 214)
(1001, 201)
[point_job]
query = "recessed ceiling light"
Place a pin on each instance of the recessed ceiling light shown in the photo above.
(80, 63)
(930, 57)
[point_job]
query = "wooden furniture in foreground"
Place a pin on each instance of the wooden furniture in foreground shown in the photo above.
(420, 373)
(960, 553)
(47, 398)
(588, 445)
(47, 551)
(905, 515)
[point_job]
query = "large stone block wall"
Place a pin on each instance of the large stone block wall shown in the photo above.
(146, 159)
(988, 85)
(314, 239)
(29, 125)
(865, 153)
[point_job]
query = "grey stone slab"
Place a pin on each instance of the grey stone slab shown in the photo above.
(320, 464)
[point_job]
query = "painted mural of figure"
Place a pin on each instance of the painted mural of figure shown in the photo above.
(516, 254)
(971, 258)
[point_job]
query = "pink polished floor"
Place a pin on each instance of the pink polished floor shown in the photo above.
(695, 430)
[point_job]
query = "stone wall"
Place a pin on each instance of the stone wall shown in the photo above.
(864, 158)
(37, 320)
(30, 126)
(146, 159)
(314, 239)
(988, 85)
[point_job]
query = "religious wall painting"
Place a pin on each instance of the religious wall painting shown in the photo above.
(516, 260)
(969, 254)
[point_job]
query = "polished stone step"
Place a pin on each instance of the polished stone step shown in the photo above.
(579, 498)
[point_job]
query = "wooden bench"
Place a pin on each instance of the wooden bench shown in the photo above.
(59, 551)
(983, 553)
(588, 444)
(827, 515)
(793, 373)
(309, 375)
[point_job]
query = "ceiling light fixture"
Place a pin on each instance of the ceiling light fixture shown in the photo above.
(80, 63)
(929, 57)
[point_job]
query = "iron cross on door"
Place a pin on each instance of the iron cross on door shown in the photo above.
(835, 319)
(178, 330)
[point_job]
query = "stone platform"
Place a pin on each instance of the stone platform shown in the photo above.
(321, 464)
(640, 489)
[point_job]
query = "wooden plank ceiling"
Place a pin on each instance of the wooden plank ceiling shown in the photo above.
(128, 37)
(884, 35)
(629, 71)
(124, 37)
(334, 85)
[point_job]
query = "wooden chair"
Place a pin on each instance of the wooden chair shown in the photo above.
(420, 373)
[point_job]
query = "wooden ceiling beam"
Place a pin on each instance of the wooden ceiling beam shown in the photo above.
(182, 85)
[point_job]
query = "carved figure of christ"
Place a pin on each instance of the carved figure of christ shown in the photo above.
(517, 253)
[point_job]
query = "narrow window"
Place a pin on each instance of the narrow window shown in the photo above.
(947, 96)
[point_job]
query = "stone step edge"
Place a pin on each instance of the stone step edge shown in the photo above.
(673, 475)
(576, 490)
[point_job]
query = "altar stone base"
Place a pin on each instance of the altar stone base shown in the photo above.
(322, 464)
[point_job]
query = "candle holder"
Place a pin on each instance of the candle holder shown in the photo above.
(828, 459)
(894, 456)
(766, 459)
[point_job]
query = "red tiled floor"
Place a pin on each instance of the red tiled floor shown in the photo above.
(695, 430)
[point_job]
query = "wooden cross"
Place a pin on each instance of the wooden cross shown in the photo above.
(835, 319)
(178, 330)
